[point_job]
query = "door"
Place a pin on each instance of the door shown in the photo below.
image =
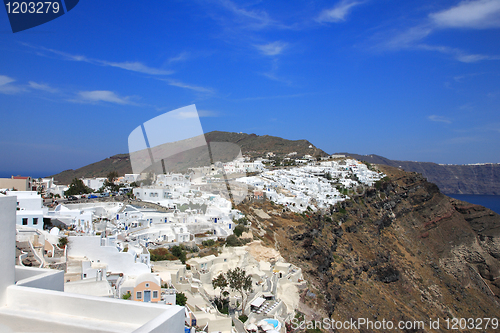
(147, 295)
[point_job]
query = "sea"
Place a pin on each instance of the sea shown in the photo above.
(489, 201)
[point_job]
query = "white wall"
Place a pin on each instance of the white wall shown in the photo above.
(40, 278)
(153, 317)
(7, 244)
(118, 262)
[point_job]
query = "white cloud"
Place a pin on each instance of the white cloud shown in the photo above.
(4, 80)
(479, 14)
(194, 114)
(134, 66)
(440, 119)
(179, 84)
(458, 54)
(42, 86)
(339, 12)
(407, 38)
(463, 140)
(102, 96)
(6, 87)
(181, 57)
(253, 19)
(207, 113)
(272, 49)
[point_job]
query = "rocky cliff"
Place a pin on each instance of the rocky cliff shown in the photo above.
(401, 251)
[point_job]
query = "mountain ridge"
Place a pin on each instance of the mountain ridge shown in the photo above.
(451, 179)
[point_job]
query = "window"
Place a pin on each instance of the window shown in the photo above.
(35, 220)
(147, 285)
(139, 295)
(155, 294)
(25, 221)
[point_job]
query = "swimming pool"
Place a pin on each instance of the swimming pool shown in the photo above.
(274, 322)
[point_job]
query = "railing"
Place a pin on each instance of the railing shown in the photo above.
(36, 255)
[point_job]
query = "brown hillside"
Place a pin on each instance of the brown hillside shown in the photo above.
(250, 144)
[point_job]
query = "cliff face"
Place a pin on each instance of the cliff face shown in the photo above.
(453, 179)
(402, 251)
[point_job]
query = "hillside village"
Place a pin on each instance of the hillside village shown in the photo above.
(108, 242)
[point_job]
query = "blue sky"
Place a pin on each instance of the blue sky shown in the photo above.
(408, 80)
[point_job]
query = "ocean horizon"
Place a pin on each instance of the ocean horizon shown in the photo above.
(489, 201)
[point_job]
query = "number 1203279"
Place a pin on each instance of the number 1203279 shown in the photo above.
(23, 7)
(471, 323)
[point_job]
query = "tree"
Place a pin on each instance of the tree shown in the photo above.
(110, 181)
(149, 179)
(180, 299)
(241, 282)
(112, 176)
(238, 231)
(179, 253)
(63, 241)
(220, 282)
(77, 187)
(233, 240)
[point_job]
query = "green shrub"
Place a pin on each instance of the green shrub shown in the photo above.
(238, 231)
(180, 299)
(233, 241)
(63, 241)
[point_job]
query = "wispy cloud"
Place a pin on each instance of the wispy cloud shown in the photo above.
(180, 84)
(339, 12)
(458, 54)
(476, 14)
(6, 86)
(258, 98)
(440, 119)
(42, 86)
(272, 76)
(194, 114)
(407, 38)
(252, 19)
(272, 49)
(183, 56)
(134, 66)
(96, 96)
(463, 140)
(480, 14)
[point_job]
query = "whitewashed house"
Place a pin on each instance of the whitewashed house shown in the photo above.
(30, 210)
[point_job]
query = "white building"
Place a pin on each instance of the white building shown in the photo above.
(32, 299)
(131, 177)
(30, 210)
(94, 183)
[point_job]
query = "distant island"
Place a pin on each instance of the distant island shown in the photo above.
(451, 179)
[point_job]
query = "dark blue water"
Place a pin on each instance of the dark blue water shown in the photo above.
(489, 201)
